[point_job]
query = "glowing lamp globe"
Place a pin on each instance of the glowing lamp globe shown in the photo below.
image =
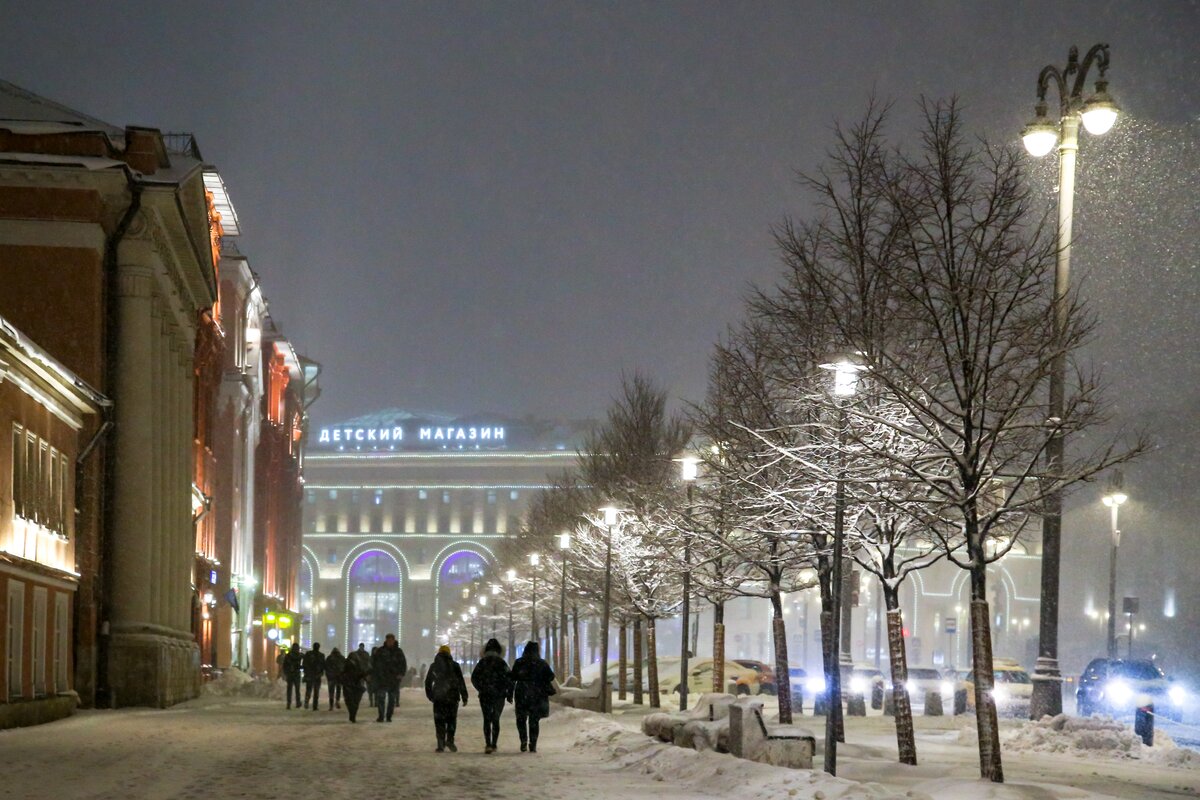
(1039, 137)
(1099, 112)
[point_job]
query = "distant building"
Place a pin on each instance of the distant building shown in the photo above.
(402, 509)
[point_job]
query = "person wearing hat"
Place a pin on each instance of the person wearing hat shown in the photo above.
(492, 686)
(533, 683)
(388, 666)
(444, 686)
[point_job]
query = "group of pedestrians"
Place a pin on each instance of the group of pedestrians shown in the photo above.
(528, 685)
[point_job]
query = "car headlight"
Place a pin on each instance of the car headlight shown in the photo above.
(1177, 694)
(910, 686)
(947, 688)
(1000, 694)
(1118, 693)
(815, 684)
(858, 684)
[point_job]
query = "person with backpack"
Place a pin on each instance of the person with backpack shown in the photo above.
(314, 671)
(334, 663)
(353, 679)
(492, 685)
(388, 666)
(444, 687)
(293, 662)
(532, 685)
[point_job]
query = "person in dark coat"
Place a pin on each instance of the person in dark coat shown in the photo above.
(334, 663)
(314, 671)
(444, 686)
(532, 684)
(492, 686)
(293, 662)
(353, 679)
(388, 666)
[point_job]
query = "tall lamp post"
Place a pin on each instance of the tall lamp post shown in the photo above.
(689, 469)
(495, 593)
(510, 578)
(845, 384)
(611, 517)
(564, 546)
(1113, 500)
(1097, 113)
(535, 561)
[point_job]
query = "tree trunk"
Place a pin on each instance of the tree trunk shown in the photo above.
(652, 655)
(719, 646)
(577, 666)
(638, 657)
(902, 704)
(779, 635)
(990, 767)
(622, 661)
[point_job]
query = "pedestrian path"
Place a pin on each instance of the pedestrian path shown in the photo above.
(232, 748)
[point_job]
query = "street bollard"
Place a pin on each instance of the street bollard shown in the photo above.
(1143, 724)
(933, 703)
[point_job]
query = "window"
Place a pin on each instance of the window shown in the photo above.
(310, 496)
(514, 494)
(333, 494)
(14, 638)
(445, 498)
(379, 497)
(39, 482)
(331, 557)
(422, 494)
(491, 497)
(62, 636)
(39, 642)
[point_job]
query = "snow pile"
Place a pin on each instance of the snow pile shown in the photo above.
(235, 683)
(1089, 737)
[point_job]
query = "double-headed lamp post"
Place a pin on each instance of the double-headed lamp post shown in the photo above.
(535, 561)
(689, 469)
(495, 593)
(1097, 113)
(845, 384)
(1113, 501)
(611, 517)
(564, 547)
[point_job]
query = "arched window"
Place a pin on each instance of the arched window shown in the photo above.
(306, 604)
(374, 598)
(458, 570)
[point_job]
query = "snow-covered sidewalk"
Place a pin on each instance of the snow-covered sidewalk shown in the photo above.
(251, 747)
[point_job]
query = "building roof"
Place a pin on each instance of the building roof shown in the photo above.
(32, 113)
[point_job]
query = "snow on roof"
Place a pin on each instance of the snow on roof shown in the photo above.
(88, 162)
(222, 203)
(19, 105)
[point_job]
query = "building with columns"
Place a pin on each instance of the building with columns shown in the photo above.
(401, 509)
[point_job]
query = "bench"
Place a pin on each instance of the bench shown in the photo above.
(752, 738)
(585, 698)
(698, 728)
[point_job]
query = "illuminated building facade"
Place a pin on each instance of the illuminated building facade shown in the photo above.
(401, 510)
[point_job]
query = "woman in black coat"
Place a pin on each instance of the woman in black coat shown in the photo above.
(490, 679)
(533, 683)
(444, 686)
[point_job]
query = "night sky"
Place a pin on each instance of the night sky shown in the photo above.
(499, 208)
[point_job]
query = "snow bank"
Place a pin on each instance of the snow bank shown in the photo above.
(1090, 737)
(235, 683)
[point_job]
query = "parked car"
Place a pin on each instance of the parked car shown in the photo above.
(766, 674)
(1012, 688)
(928, 679)
(1119, 686)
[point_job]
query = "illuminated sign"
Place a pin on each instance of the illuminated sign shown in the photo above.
(426, 434)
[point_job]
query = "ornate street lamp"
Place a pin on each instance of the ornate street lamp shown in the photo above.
(564, 547)
(689, 468)
(845, 383)
(510, 578)
(1097, 113)
(1113, 500)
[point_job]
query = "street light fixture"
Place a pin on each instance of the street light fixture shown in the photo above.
(611, 518)
(1097, 114)
(689, 469)
(1113, 500)
(845, 384)
(564, 547)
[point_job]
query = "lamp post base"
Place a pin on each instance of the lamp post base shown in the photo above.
(1047, 690)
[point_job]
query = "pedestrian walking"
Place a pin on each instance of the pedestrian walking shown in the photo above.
(335, 662)
(371, 679)
(353, 679)
(444, 687)
(314, 671)
(388, 666)
(532, 685)
(293, 663)
(492, 685)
